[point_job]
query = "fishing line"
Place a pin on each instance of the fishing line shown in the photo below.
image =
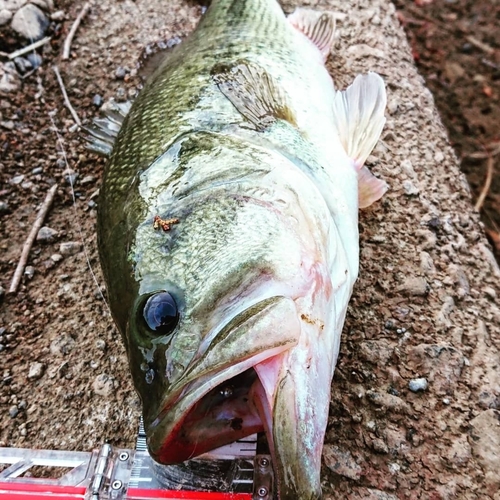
(70, 177)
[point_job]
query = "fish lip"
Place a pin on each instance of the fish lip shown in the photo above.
(175, 407)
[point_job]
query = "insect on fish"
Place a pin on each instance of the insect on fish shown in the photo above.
(232, 314)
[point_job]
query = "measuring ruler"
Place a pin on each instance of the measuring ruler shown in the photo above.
(232, 472)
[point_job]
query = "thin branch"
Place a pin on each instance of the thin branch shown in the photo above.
(31, 238)
(480, 45)
(487, 184)
(72, 31)
(28, 48)
(65, 95)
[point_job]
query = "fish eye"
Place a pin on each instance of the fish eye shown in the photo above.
(160, 313)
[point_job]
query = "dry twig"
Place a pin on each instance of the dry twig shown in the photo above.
(492, 150)
(28, 48)
(487, 184)
(65, 95)
(31, 238)
(72, 31)
(480, 45)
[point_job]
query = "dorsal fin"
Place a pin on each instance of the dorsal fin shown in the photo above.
(318, 26)
(101, 134)
(253, 92)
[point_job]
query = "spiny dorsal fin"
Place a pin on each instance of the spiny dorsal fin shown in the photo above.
(102, 133)
(253, 92)
(319, 27)
(359, 119)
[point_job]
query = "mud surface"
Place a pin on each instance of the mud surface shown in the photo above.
(425, 307)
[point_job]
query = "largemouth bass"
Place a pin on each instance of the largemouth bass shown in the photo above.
(228, 234)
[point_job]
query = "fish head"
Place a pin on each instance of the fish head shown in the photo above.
(231, 328)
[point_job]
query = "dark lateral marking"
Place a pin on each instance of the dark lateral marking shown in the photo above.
(253, 92)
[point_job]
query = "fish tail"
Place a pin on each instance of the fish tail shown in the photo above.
(359, 119)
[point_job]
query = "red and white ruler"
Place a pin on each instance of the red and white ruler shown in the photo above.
(233, 472)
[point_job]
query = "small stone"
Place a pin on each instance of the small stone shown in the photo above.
(120, 73)
(36, 371)
(121, 94)
(70, 248)
(415, 286)
(9, 78)
(418, 384)
(58, 15)
(88, 179)
(37, 170)
(4, 207)
(2, 292)
(371, 425)
(29, 271)
(46, 235)
(35, 59)
(5, 16)
(394, 468)
(13, 411)
(104, 385)
(56, 257)
(14, 5)
(23, 65)
(341, 462)
(379, 446)
(9, 125)
(17, 180)
(100, 344)
(409, 188)
(97, 101)
(22, 405)
(70, 176)
(446, 401)
(62, 345)
(489, 292)
(30, 22)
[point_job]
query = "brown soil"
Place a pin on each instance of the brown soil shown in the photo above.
(425, 305)
(464, 77)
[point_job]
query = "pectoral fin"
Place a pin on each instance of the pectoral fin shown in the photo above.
(253, 92)
(359, 119)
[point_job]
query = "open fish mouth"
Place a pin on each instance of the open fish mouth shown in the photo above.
(220, 402)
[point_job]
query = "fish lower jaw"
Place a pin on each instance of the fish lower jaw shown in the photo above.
(223, 415)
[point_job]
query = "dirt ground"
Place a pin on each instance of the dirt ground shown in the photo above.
(456, 46)
(426, 304)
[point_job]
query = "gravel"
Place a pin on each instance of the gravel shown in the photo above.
(30, 22)
(70, 248)
(46, 235)
(418, 384)
(36, 371)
